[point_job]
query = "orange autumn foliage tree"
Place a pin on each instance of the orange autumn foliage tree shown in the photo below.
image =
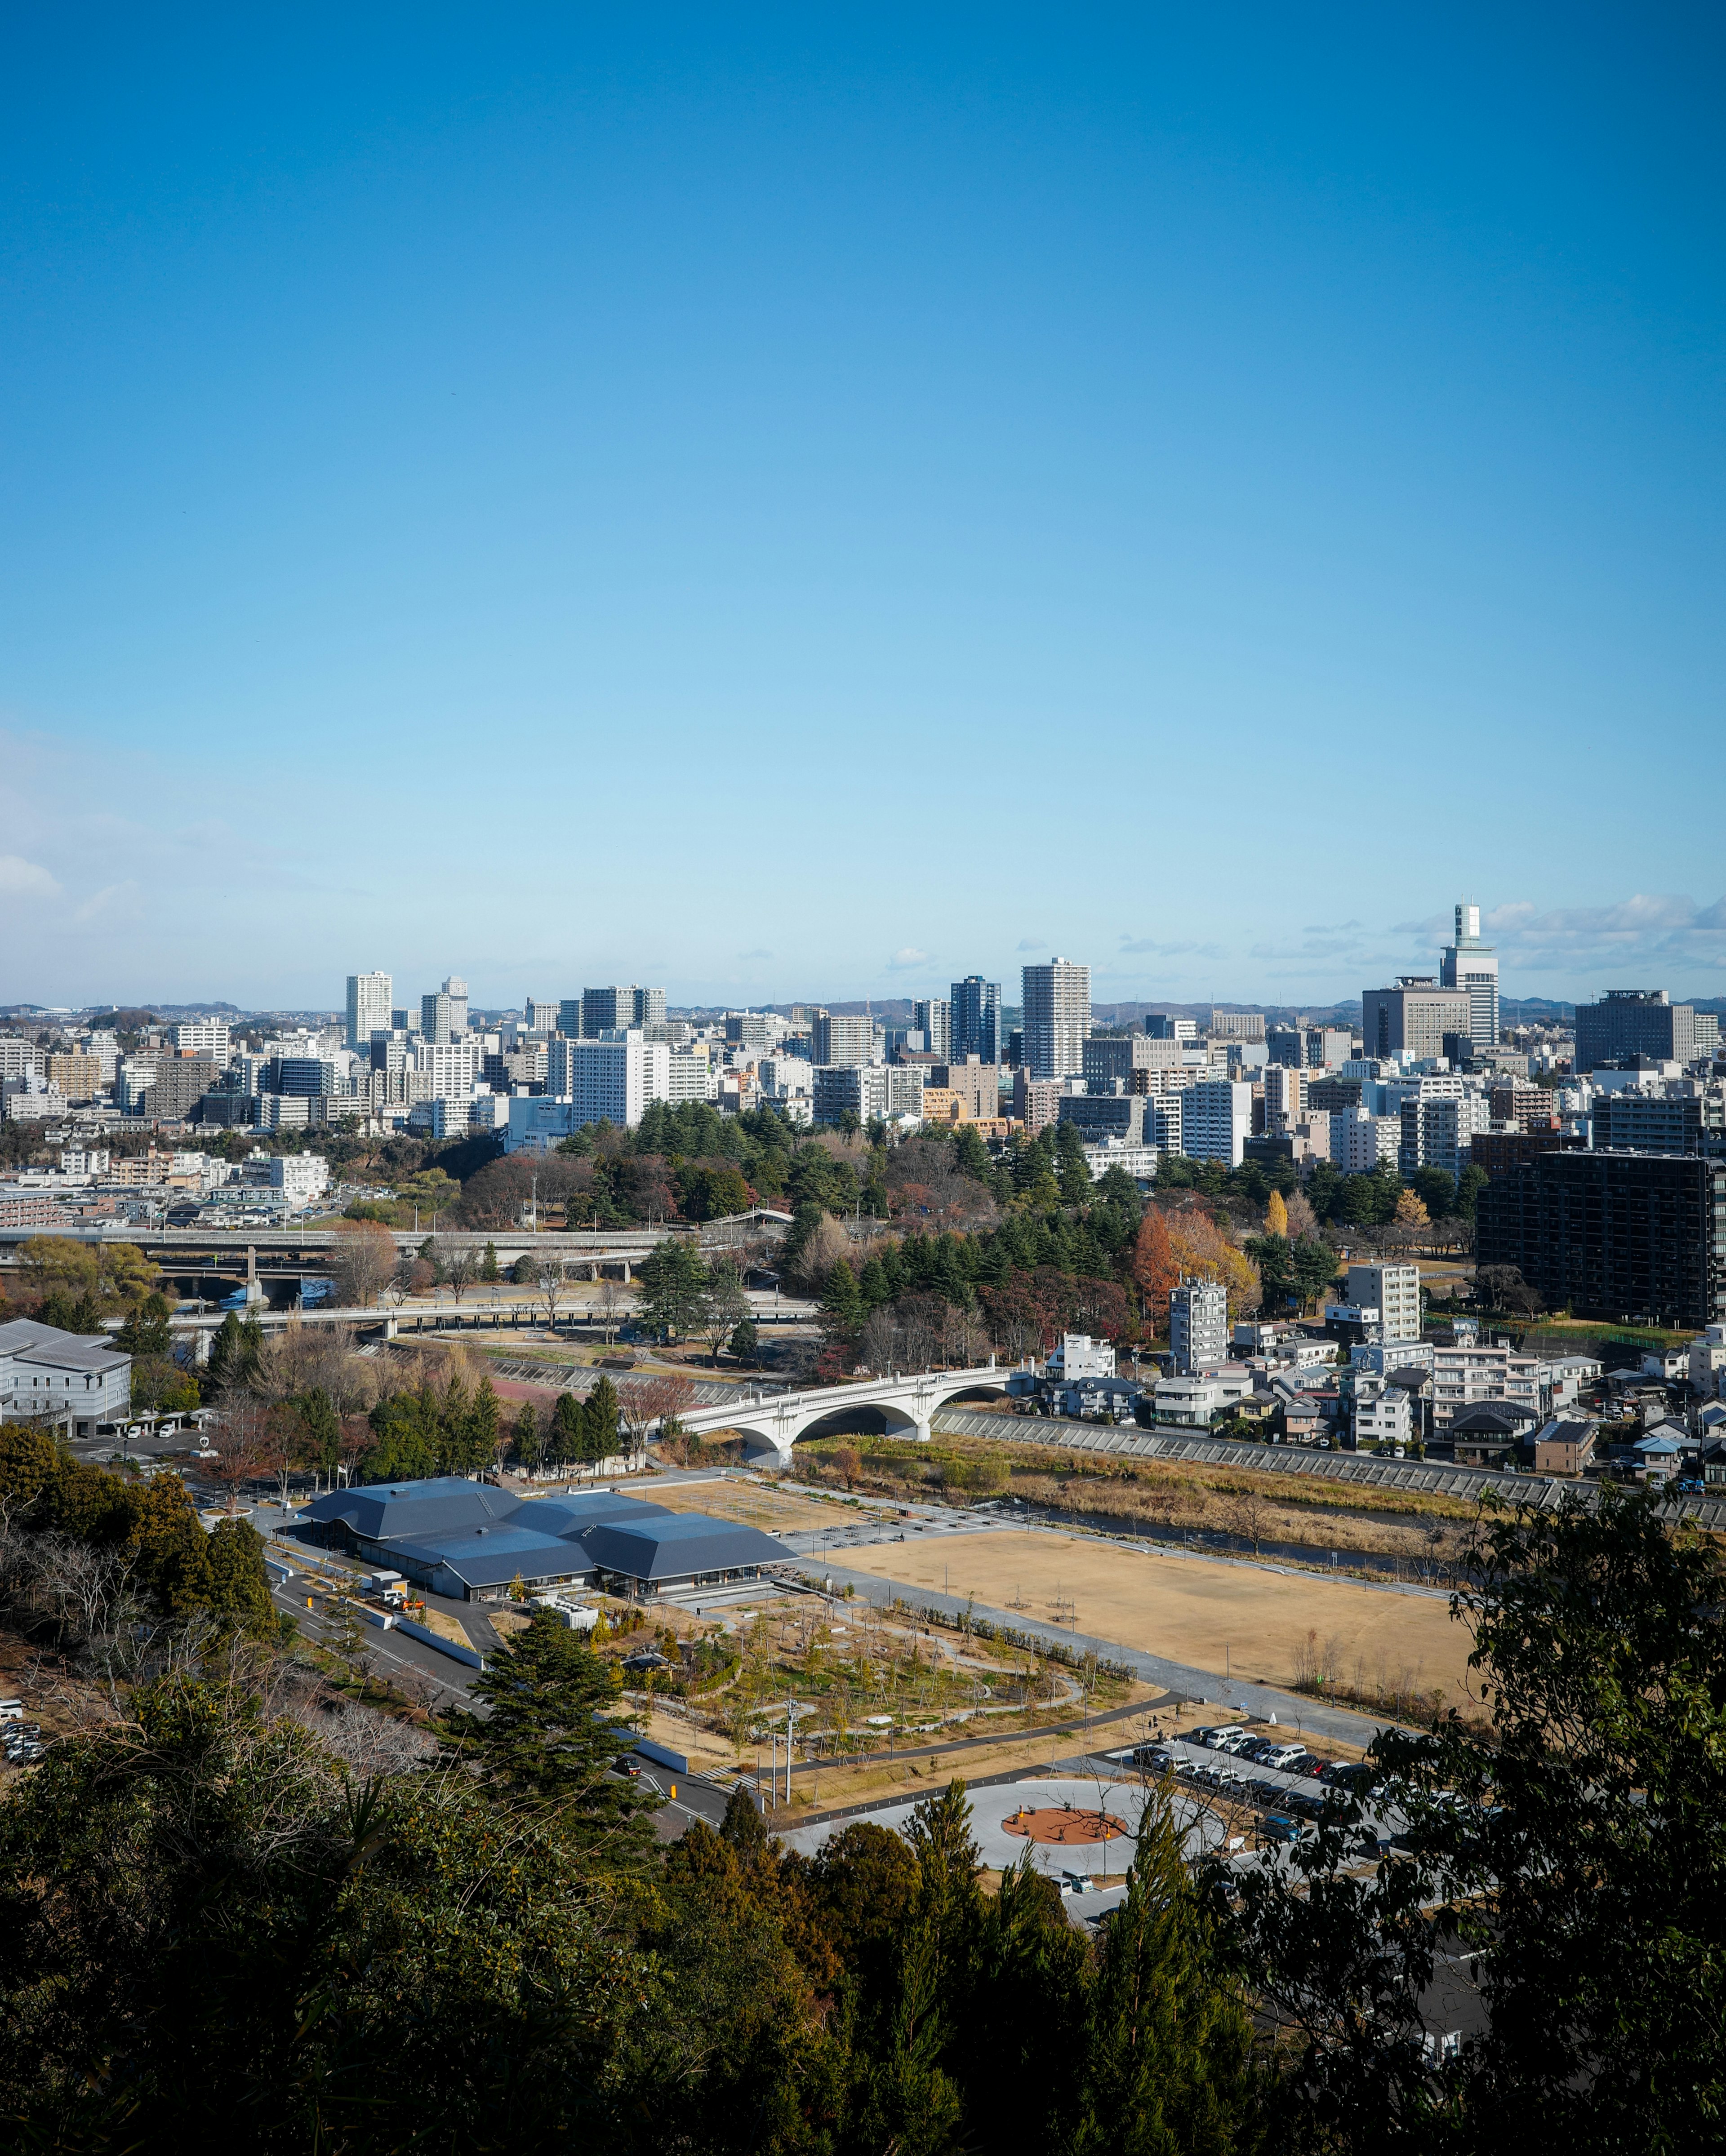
(1171, 1248)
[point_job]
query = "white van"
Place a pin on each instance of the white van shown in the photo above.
(12, 1710)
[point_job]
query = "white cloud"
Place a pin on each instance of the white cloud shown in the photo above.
(1033, 944)
(23, 879)
(910, 956)
(1646, 931)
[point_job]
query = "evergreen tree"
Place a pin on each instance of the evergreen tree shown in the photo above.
(565, 1445)
(482, 1426)
(745, 1341)
(1071, 1169)
(841, 1305)
(599, 1424)
(674, 1283)
(69, 1313)
(1168, 2069)
(146, 1329)
(322, 1426)
(527, 1443)
(489, 1271)
(549, 1743)
(234, 1352)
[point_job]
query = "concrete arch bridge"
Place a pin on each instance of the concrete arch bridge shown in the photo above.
(771, 1423)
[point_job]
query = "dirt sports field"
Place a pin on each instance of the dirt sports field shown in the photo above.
(769, 1510)
(1189, 1610)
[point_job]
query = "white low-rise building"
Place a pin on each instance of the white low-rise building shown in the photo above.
(68, 1379)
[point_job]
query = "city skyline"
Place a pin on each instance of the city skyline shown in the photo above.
(458, 493)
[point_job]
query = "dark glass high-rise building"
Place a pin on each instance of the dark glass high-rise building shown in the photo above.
(975, 1024)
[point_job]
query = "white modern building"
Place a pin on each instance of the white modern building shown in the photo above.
(1199, 1326)
(1080, 1355)
(370, 1007)
(1395, 1292)
(1216, 1120)
(302, 1177)
(1437, 1131)
(68, 1379)
(866, 1091)
(1358, 1141)
(1056, 1020)
(201, 1037)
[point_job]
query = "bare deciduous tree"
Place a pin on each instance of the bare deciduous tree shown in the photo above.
(646, 1403)
(362, 1259)
(548, 1277)
(610, 1301)
(460, 1263)
(240, 1443)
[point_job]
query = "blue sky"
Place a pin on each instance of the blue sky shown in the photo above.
(818, 502)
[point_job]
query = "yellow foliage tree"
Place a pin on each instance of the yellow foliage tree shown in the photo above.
(1277, 1216)
(1410, 1211)
(1200, 1248)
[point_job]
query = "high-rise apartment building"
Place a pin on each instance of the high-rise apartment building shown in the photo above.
(540, 1017)
(1309, 1047)
(1472, 967)
(1057, 1019)
(844, 1041)
(933, 1019)
(200, 1037)
(1216, 1120)
(1198, 1326)
(615, 1009)
(974, 1022)
(1237, 1025)
(370, 997)
(1413, 1016)
(1437, 1131)
(443, 1014)
(1629, 1237)
(1631, 1022)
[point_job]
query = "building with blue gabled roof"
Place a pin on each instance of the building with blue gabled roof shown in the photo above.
(464, 1538)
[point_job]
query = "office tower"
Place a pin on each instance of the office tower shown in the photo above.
(1237, 1025)
(437, 1015)
(1631, 1022)
(650, 1007)
(847, 1042)
(1198, 1326)
(456, 990)
(540, 1017)
(1472, 967)
(933, 1019)
(368, 1007)
(1057, 1019)
(1159, 1026)
(1413, 1016)
(975, 1019)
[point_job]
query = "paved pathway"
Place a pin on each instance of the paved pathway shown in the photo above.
(1339, 1724)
